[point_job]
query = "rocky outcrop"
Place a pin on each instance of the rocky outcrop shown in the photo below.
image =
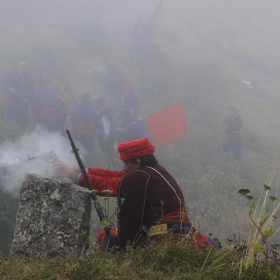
(53, 218)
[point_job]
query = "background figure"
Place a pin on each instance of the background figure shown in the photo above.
(62, 94)
(234, 128)
(19, 88)
(113, 77)
(136, 129)
(141, 37)
(47, 105)
(84, 123)
(105, 120)
(59, 75)
(131, 102)
(142, 32)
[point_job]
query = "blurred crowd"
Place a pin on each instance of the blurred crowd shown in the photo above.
(52, 105)
(93, 120)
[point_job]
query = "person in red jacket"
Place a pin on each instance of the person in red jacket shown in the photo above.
(150, 200)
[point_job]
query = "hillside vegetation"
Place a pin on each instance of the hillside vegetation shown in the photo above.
(158, 261)
(201, 59)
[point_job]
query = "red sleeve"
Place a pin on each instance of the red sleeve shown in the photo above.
(106, 172)
(101, 182)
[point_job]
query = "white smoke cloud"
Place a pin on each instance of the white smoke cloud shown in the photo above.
(14, 156)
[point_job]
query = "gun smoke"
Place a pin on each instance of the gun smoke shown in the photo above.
(16, 157)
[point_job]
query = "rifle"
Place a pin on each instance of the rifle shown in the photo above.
(49, 157)
(88, 184)
(102, 218)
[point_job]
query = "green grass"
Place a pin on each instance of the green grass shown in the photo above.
(166, 260)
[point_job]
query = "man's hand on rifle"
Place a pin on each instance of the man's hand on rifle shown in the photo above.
(62, 170)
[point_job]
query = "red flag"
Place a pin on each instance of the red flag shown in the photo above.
(168, 125)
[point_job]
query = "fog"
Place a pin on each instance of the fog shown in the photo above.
(212, 25)
(17, 157)
(194, 37)
(207, 53)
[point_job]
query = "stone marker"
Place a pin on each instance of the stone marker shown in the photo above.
(53, 218)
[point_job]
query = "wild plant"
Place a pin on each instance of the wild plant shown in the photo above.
(108, 223)
(262, 210)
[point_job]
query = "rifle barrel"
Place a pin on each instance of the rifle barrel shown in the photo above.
(83, 170)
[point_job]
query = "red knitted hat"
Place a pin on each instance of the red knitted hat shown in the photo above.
(135, 148)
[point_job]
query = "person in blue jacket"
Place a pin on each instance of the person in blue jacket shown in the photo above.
(136, 129)
(234, 130)
(131, 102)
(19, 89)
(47, 105)
(84, 125)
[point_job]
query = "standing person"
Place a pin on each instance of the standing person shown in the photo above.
(113, 77)
(63, 95)
(131, 102)
(141, 37)
(59, 75)
(84, 124)
(19, 88)
(142, 31)
(234, 128)
(47, 105)
(136, 129)
(105, 129)
(151, 202)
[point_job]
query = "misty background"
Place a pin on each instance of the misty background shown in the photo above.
(205, 51)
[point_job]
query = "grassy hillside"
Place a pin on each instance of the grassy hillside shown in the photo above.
(200, 60)
(158, 261)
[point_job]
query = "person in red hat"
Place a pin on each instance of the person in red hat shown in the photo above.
(46, 105)
(151, 202)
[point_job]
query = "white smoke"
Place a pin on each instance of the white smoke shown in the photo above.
(14, 155)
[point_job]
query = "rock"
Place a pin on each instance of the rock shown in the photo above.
(53, 218)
